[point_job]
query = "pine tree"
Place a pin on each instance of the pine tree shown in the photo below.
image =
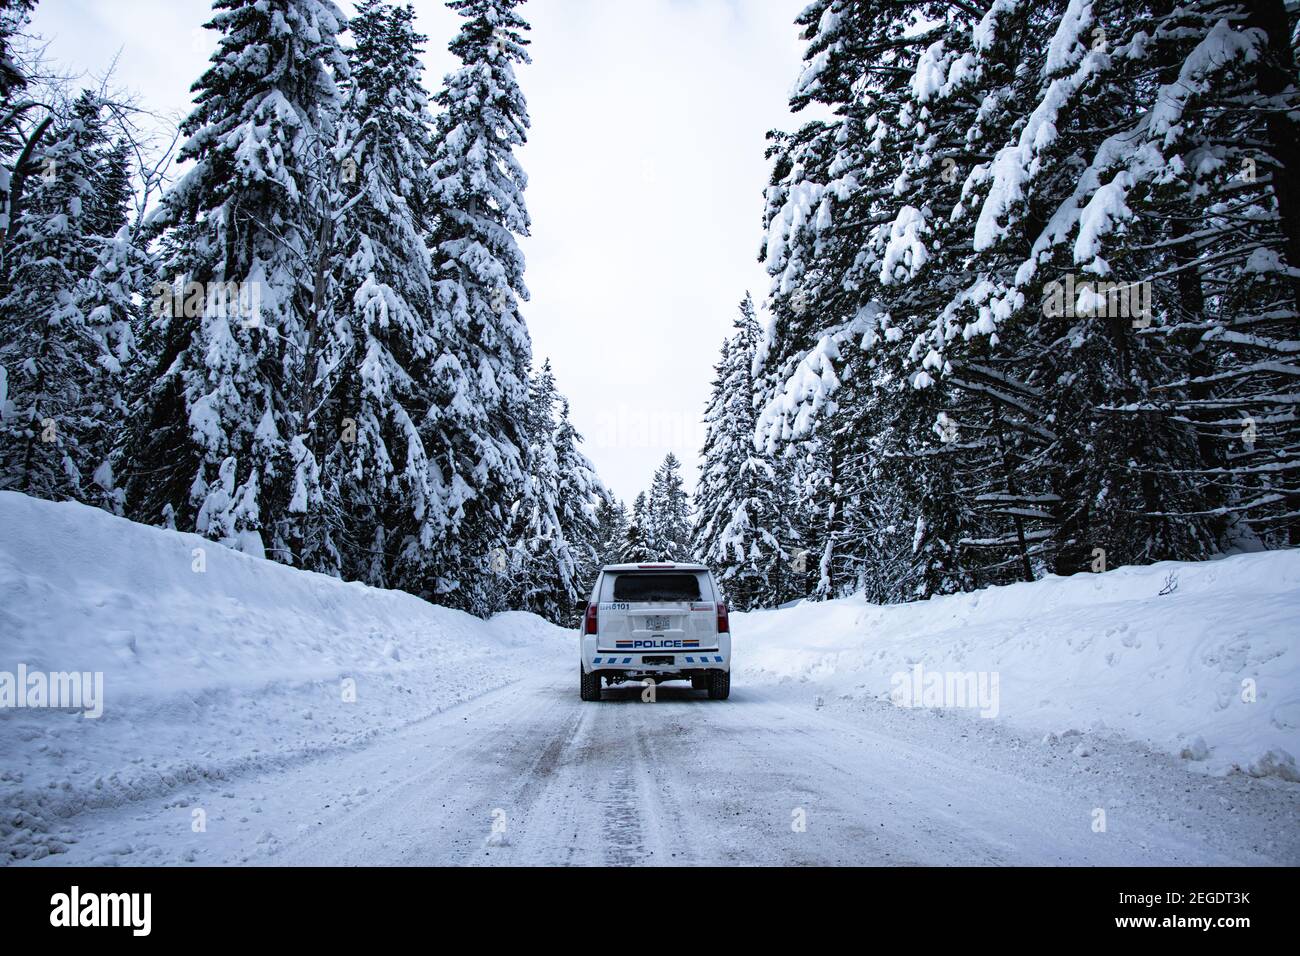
(14, 105)
(837, 375)
(745, 530)
(542, 567)
(224, 442)
(635, 547)
(62, 344)
(955, 419)
(111, 300)
(14, 15)
(554, 533)
(579, 495)
(612, 529)
(667, 527)
(385, 374)
(1208, 206)
(1044, 407)
(111, 207)
(483, 351)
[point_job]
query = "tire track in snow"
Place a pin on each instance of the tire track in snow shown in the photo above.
(688, 780)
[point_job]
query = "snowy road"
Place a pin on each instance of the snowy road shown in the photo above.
(692, 781)
(283, 717)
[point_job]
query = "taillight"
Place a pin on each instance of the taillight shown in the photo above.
(591, 619)
(724, 627)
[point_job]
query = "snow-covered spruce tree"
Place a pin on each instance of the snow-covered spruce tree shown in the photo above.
(635, 547)
(668, 514)
(555, 535)
(1089, 479)
(968, 421)
(540, 565)
(14, 15)
(542, 568)
(612, 526)
(111, 209)
(372, 454)
(1209, 200)
(222, 445)
(1125, 426)
(15, 105)
(113, 301)
(579, 494)
(744, 527)
(969, 450)
(65, 324)
(857, 245)
(845, 231)
(975, 166)
(471, 431)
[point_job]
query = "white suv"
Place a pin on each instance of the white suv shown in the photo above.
(655, 622)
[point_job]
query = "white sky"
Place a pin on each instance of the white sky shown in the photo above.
(646, 172)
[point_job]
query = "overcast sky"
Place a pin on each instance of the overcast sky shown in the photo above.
(646, 172)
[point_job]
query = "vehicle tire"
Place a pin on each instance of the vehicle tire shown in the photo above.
(719, 685)
(700, 682)
(589, 684)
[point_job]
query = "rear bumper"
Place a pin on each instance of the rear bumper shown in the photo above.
(677, 660)
(655, 663)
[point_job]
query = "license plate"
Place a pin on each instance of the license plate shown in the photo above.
(656, 622)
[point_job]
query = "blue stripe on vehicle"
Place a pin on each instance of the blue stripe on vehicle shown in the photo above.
(718, 659)
(595, 660)
(628, 660)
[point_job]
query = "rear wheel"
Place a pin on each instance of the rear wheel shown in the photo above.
(700, 682)
(589, 684)
(719, 685)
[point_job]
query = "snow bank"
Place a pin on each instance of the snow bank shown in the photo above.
(241, 666)
(1091, 653)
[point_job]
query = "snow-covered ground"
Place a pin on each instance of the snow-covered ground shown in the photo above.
(228, 732)
(1209, 670)
(208, 674)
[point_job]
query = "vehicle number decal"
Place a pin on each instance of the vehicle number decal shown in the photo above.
(615, 606)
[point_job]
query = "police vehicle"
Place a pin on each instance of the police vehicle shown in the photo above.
(656, 622)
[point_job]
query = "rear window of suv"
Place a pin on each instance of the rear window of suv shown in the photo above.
(656, 587)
